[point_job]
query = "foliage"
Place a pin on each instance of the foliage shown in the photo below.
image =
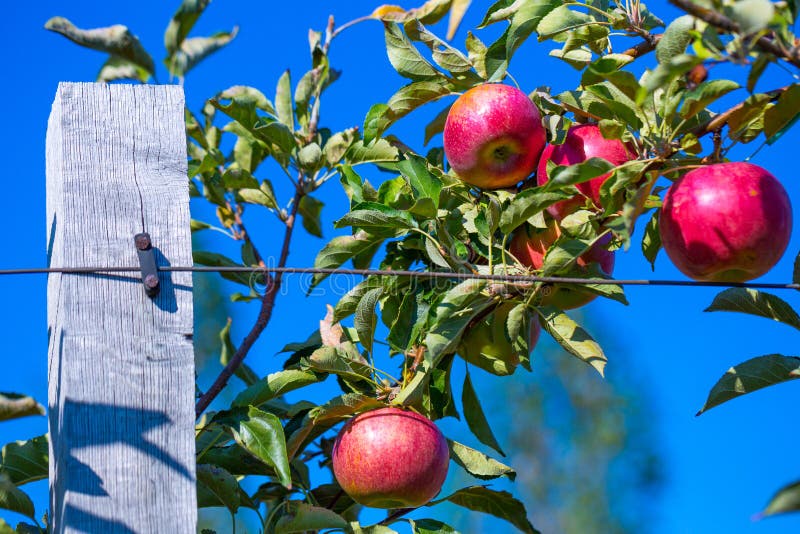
(423, 218)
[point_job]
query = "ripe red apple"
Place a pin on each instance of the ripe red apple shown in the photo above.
(529, 245)
(727, 222)
(582, 142)
(486, 346)
(493, 136)
(390, 458)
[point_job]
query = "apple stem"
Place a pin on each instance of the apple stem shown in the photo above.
(397, 514)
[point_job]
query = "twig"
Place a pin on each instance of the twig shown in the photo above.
(722, 22)
(719, 120)
(264, 315)
(397, 514)
(645, 47)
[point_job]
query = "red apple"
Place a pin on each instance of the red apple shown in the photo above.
(390, 458)
(493, 136)
(727, 222)
(529, 245)
(582, 142)
(486, 346)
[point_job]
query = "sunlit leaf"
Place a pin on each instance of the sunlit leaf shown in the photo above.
(752, 375)
(787, 499)
(478, 464)
(275, 385)
(572, 337)
(14, 405)
(116, 40)
(497, 503)
(302, 517)
(754, 302)
(25, 461)
(261, 434)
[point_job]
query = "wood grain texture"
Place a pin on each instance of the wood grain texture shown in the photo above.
(121, 365)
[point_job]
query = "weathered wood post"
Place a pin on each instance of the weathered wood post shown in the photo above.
(121, 365)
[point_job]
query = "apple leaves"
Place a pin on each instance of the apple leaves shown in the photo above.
(497, 503)
(752, 375)
(755, 302)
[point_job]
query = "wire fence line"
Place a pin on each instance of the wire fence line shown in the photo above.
(511, 278)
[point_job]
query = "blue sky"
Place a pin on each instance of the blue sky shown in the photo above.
(721, 467)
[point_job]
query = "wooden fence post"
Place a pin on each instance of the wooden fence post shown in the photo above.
(121, 365)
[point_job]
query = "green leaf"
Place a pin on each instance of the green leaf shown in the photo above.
(436, 126)
(409, 98)
(497, 503)
(528, 203)
(476, 419)
(430, 526)
(182, 23)
(651, 240)
(194, 50)
(337, 145)
(244, 101)
(563, 175)
(422, 181)
(25, 461)
(783, 114)
(310, 209)
(275, 133)
(213, 259)
(478, 464)
(217, 487)
(365, 318)
(754, 302)
(14, 405)
(752, 15)
(787, 499)
(676, 38)
(302, 517)
(343, 360)
(404, 56)
(283, 100)
(752, 375)
(349, 302)
(14, 499)
(381, 151)
(243, 371)
(339, 250)
(559, 20)
(378, 219)
(116, 40)
(572, 337)
(117, 68)
(704, 94)
(261, 434)
(275, 385)
(459, 306)
(259, 196)
(444, 55)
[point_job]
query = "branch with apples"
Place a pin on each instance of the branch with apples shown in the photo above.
(525, 182)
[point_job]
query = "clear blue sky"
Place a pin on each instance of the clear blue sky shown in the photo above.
(721, 467)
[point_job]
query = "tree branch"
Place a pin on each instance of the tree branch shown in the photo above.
(645, 47)
(718, 20)
(264, 315)
(719, 120)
